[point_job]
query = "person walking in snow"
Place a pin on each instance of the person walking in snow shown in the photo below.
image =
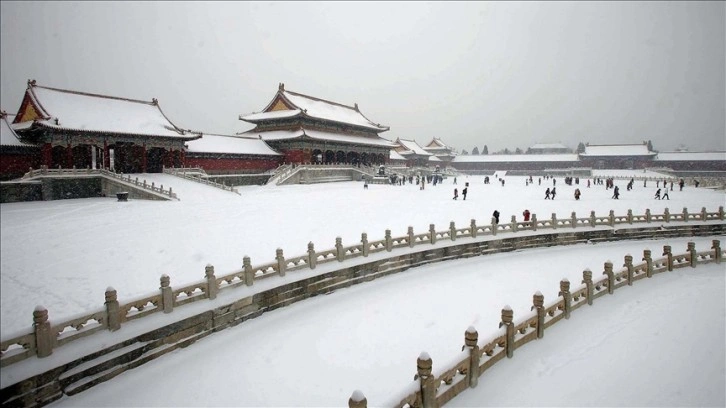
(552, 193)
(526, 215)
(577, 194)
(657, 195)
(463, 192)
(616, 193)
(456, 194)
(495, 215)
(547, 194)
(665, 195)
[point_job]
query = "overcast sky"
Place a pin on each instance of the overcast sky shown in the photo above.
(471, 73)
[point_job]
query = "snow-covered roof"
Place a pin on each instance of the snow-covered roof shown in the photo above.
(437, 144)
(548, 146)
(690, 156)
(498, 158)
(312, 107)
(70, 110)
(393, 155)
(319, 135)
(8, 137)
(617, 150)
(271, 115)
(412, 147)
(434, 159)
(211, 143)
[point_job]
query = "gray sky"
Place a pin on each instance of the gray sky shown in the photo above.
(471, 73)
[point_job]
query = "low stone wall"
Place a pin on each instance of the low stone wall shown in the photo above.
(19, 191)
(240, 179)
(100, 365)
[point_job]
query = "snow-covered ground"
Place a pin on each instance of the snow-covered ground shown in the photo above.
(63, 255)
(658, 343)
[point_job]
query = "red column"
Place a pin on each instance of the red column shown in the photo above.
(106, 155)
(69, 156)
(47, 154)
(143, 159)
(183, 157)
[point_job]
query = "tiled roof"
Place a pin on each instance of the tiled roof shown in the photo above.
(617, 150)
(319, 135)
(70, 110)
(690, 156)
(8, 137)
(412, 147)
(498, 158)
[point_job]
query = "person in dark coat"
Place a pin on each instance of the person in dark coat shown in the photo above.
(526, 215)
(553, 193)
(456, 194)
(496, 216)
(616, 193)
(657, 195)
(577, 194)
(463, 192)
(547, 194)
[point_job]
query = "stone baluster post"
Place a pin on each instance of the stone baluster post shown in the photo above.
(666, 215)
(389, 241)
(411, 238)
(494, 226)
(507, 320)
(573, 219)
(312, 256)
(364, 243)
(112, 310)
(212, 287)
(629, 265)
(554, 221)
(513, 223)
(167, 301)
(534, 222)
(611, 218)
(716, 246)
(630, 216)
(452, 231)
(704, 214)
(669, 257)
(170, 193)
(538, 303)
(471, 340)
(44, 338)
(611, 277)
(339, 250)
(473, 227)
(587, 280)
(648, 263)
(720, 213)
(424, 366)
(566, 295)
(249, 274)
(693, 255)
(648, 218)
(357, 400)
(280, 261)
(593, 219)
(685, 214)
(432, 234)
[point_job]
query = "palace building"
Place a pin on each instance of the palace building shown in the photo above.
(82, 130)
(16, 156)
(307, 129)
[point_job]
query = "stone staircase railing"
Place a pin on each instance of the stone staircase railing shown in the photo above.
(43, 338)
(189, 174)
(286, 171)
(46, 172)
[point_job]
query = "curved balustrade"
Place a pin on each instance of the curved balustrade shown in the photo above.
(19, 347)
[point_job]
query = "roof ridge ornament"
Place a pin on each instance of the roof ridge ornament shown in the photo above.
(31, 82)
(154, 102)
(281, 87)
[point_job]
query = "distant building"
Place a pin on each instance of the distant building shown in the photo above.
(617, 156)
(548, 148)
(415, 155)
(309, 129)
(78, 129)
(489, 163)
(441, 151)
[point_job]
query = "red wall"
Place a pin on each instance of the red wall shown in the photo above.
(14, 165)
(227, 164)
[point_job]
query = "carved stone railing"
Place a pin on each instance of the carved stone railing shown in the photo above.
(434, 388)
(188, 174)
(23, 345)
(46, 172)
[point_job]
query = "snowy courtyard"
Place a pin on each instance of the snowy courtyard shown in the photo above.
(64, 254)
